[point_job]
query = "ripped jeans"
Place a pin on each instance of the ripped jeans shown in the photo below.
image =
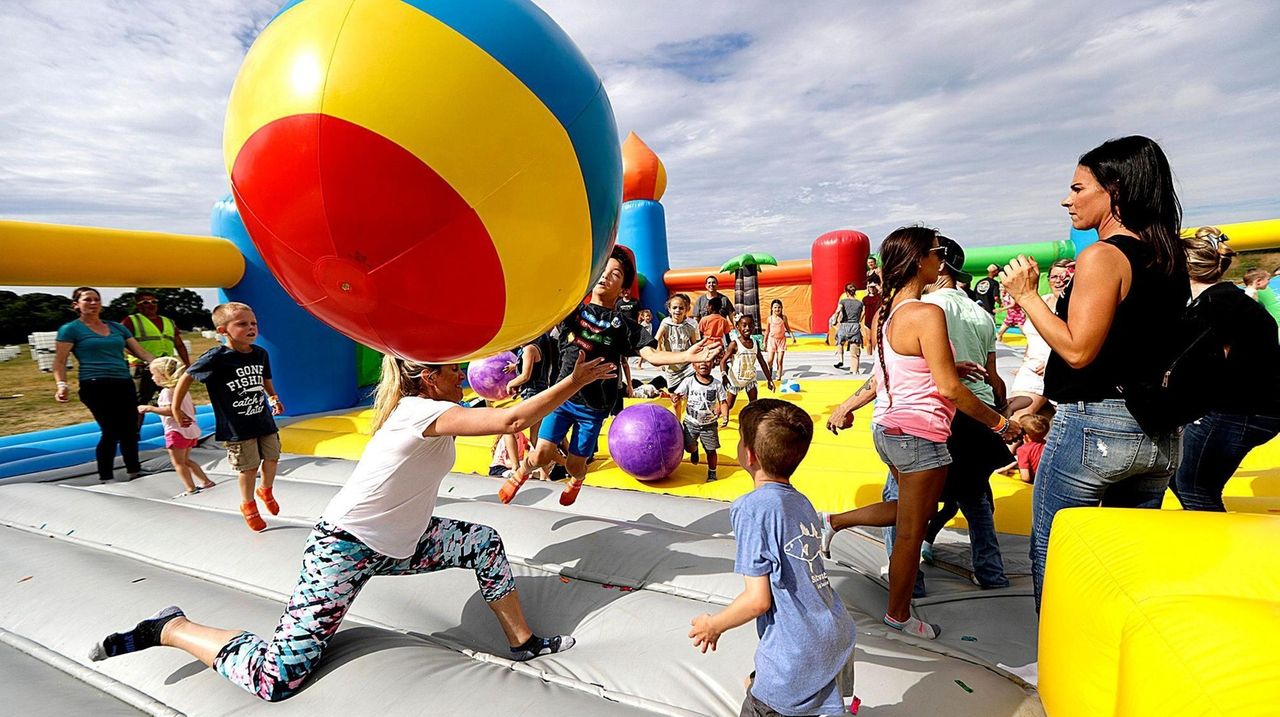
(1095, 454)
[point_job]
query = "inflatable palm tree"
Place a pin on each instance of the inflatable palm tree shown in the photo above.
(746, 285)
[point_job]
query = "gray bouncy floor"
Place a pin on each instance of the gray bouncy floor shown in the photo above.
(622, 571)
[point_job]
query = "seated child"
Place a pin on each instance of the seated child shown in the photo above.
(1034, 428)
(805, 654)
(703, 399)
(179, 440)
(1026, 455)
(508, 451)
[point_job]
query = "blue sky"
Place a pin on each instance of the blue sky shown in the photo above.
(776, 121)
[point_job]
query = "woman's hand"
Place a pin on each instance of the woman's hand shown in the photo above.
(62, 393)
(1038, 368)
(841, 418)
(585, 372)
(510, 367)
(144, 409)
(180, 416)
(1021, 278)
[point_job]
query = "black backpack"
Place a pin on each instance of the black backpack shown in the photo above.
(1186, 390)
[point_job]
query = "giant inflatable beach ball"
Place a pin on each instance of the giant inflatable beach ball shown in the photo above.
(436, 180)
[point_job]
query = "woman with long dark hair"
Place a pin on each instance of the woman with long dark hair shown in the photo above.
(1246, 409)
(917, 392)
(106, 381)
(1114, 326)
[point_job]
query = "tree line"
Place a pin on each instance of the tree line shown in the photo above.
(24, 314)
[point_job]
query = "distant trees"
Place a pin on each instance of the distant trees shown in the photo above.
(23, 314)
(184, 306)
(20, 315)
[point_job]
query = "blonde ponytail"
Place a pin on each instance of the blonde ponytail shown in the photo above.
(400, 378)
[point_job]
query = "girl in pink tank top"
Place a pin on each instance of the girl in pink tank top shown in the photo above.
(917, 392)
(910, 402)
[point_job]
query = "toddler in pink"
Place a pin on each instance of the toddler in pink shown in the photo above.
(166, 371)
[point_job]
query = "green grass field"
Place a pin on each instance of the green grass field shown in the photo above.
(26, 394)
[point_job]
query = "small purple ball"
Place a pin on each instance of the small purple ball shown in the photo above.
(646, 441)
(486, 376)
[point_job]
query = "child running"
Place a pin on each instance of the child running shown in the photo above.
(677, 332)
(380, 523)
(178, 440)
(702, 398)
(714, 326)
(739, 365)
(775, 344)
(595, 330)
(238, 376)
(806, 636)
(1013, 314)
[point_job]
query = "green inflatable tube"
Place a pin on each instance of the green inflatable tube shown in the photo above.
(977, 259)
(1270, 302)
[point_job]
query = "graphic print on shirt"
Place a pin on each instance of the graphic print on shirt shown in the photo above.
(805, 547)
(248, 391)
(592, 331)
(703, 399)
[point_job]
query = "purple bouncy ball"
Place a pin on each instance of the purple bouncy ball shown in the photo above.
(646, 441)
(486, 376)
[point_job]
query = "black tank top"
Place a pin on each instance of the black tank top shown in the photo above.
(1142, 338)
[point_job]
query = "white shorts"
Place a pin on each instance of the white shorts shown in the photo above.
(1026, 382)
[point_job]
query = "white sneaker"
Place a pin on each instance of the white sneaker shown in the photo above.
(915, 627)
(828, 533)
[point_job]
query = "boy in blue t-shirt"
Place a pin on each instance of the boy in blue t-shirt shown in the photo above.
(806, 636)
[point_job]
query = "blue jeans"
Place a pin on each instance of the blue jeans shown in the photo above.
(988, 565)
(1095, 454)
(1212, 449)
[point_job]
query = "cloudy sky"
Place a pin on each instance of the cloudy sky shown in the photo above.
(776, 121)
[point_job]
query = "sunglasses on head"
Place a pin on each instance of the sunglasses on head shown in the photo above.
(1216, 239)
(148, 301)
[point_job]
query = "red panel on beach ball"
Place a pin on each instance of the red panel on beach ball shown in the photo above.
(363, 235)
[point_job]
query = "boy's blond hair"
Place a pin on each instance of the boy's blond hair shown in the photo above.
(778, 433)
(1034, 425)
(170, 368)
(222, 312)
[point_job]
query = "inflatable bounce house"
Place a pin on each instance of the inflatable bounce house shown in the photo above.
(387, 157)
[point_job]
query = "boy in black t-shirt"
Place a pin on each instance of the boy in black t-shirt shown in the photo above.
(238, 376)
(601, 332)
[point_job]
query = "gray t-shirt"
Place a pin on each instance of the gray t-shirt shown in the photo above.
(806, 637)
(850, 310)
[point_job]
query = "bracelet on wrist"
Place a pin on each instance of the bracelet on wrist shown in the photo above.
(1001, 425)
(62, 384)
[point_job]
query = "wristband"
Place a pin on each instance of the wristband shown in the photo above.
(62, 384)
(1001, 425)
(273, 399)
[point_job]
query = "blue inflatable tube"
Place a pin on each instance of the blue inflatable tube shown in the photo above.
(643, 229)
(71, 445)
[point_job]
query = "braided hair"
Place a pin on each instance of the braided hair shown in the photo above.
(900, 255)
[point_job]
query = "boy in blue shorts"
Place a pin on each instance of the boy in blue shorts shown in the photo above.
(596, 329)
(804, 660)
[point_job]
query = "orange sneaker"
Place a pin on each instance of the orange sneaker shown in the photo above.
(269, 500)
(250, 512)
(507, 492)
(570, 493)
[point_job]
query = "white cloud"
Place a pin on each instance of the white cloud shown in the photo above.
(777, 122)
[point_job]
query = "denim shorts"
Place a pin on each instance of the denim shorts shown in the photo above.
(907, 453)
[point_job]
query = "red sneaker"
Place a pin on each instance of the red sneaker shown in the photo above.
(250, 512)
(269, 500)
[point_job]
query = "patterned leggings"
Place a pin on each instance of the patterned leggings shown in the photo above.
(335, 565)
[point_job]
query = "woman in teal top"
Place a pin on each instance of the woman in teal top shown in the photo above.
(106, 385)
